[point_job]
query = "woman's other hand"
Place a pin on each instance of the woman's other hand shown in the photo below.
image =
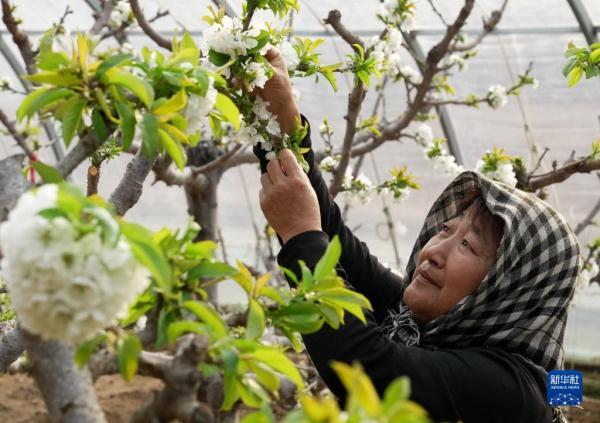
(287, 199)
(278, 92)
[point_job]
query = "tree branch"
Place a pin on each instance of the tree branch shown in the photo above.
(585, 165)
(129, 190)
(19, 37)
(488, 27)
(589, 219)
(18, 136)
(334, 19)
(147, 28)
(11, 345)
(218, 162)
(87, 144)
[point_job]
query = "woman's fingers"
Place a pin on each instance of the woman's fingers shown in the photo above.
(275, 173)
(290, 165)
(265, 181)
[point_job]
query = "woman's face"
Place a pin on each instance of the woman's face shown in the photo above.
(451, 266)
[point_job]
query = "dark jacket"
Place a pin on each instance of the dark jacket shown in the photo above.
(469, 384)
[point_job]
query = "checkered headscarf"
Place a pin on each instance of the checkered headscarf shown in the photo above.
(521, 304)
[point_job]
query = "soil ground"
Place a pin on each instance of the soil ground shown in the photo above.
(20, 400)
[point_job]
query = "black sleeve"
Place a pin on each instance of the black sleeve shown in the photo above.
(363, 271)
(475, 385)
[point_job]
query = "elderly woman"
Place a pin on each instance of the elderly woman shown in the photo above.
(479, 318)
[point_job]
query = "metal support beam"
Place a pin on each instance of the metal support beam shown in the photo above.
(19, 70)
(442, 111)
(585, 21)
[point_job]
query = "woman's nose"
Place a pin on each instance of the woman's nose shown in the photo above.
(437, 252)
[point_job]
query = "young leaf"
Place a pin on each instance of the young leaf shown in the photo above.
(176, 329)
(129, 354)
(173, 104)
(40, 98)
(218, 59)
(142, 89)
(82, 51)
(99, 125)
(111, 62)
(208, 315)
(71, 117)
(211, 270)
(48, 173)
(50, 60)
(165, 319)
(173, 148)
(278, 361)
(574, 76)
(229, 110)
(329, 260)
(150, 137)
(230, 361)
(256, 320)
(85, 350)
(359, 386)
(127, 124)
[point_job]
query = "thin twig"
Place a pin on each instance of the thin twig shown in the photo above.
(221, 160)
(19, 37)
(488, 27)
(437, 12)
(147, 28)
(19, 137)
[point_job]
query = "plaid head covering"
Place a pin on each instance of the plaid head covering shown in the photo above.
(521, 305)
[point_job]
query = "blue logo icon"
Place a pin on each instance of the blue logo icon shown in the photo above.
(564, 387)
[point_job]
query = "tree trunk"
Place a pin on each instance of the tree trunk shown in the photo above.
(67, 390)
(201, 194)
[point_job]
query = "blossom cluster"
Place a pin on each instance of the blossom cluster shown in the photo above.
(587, 274)
(329, 163)
(503, 172)
(65, 283)
(436, 153)
(120, 13)
(359, 188)
(496, 96)
(398, 13)
(197, 109)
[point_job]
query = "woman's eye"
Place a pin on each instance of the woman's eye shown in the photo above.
(466, 244)
(445, 227)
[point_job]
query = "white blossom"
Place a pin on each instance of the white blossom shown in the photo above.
(496, 96)
(197, 109)
(586, 275)
(64, 285)
(448, 164)
(329, 163)
(411, 74)
(259, 77)
(535, 84)
(120, 13)
(228, 37)
(290, 56)
(504, 173)
(456, 60)
(424, 133)
(359, 188)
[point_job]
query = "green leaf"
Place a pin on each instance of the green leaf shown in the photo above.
(142, 89)
(331, 315)
(127, 124)
(208, 315)
(278, 361)
(129, 354)
(398, 390)
(595, 56)
(85, 350)
(201, 250)
(147, 253)
(48, 173)
(60, 78)
(256, 320)
(40, 98)
(218, 59)
(229, 110)
(111, 62)
(82, 51)
(230, 361)
(176, 329)
(187, 42)
(574, 76)
(99, 125)
(329, 260)
(172, 105)
(165, 319)
(186, 55)
(150, 136)
(173, 148)
(211, 270)
(50, 60)
(359, 386)
(71, 117)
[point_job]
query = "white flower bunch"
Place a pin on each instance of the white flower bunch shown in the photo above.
(290, 55)
(359, 188)
(5, 83)
(535, 84)
(197, 109)
(389, 12)
(411, 74)
(424, 134)
(387, 51)
(263, 127)
(434, 151)
(120, 13)
(329, 163)
(456, 60)
(586, 275)
(504, 173)
(64, 285)
(496, 96)
(228, 37)
(257, 76)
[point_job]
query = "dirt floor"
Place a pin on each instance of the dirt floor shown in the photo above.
(20, 400)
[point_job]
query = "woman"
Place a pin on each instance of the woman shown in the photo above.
(479, 319)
